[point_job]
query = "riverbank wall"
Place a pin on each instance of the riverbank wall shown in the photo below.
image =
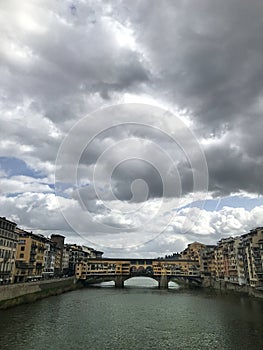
(222, 285)
(22, 293)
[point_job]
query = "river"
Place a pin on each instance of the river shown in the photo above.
(135, 318)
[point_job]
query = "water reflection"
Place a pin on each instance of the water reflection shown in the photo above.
(135, 318)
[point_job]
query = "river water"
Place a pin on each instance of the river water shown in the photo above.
(135, 318)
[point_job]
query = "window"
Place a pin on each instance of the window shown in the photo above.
(22, 248)
(21, 255)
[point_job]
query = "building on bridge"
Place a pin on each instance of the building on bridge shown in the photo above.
(119, 270)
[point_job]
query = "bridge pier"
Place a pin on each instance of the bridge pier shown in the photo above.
(163, 282)
(119, 282)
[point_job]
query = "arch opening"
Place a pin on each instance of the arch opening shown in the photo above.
(173, 285)
(141, 282)
(107, 284)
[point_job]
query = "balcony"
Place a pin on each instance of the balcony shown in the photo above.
(257, 258)
(41, 249)
(23, 265)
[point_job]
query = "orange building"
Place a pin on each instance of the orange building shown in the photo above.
(29, 256)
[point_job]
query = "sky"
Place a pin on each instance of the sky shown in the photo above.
(133, 127)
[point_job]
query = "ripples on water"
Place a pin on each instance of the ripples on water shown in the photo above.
(135, 318)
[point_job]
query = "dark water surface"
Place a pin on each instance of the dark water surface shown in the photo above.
(134, 318)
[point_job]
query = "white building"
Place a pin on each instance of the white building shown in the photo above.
(49, 259)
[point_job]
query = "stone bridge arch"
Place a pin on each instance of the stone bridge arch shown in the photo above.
(162, 280)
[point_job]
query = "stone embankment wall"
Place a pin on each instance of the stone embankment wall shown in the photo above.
(22, 293)
(209, 282)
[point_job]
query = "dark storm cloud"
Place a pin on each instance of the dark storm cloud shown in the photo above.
(149, 165)
(203, 56)
(60, 61)
(232, 171)
(125, 174)
(207, 57)
(207, 54)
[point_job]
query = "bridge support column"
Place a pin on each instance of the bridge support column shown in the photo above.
(163, 282)
(119, 282)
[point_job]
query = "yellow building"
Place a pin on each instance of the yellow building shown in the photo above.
(29, 256)
(219, 260)
(207, 260)
(180, 267)
(253, 254)
(193, 251)
(8, 242)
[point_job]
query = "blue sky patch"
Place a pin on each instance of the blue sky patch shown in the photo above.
(14, 167)
(231, 201)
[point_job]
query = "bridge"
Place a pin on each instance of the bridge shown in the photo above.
(93, 271)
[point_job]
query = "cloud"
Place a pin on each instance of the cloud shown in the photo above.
(81, 59)
(211, 68)
(200, 60)
(207, 58)
(21, 184)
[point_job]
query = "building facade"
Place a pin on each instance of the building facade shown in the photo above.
(30, 256)
(8, 243)
(49, 259)
(58, 241)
